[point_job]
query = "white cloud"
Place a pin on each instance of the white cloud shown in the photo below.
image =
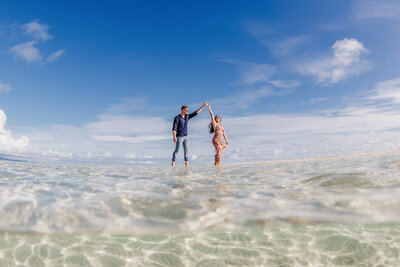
(285, 84)
(8, 143)
(376, 9)
(37, 31)
(345, 62)
(4, 87)
(251, 73)
(27, 51)
(54, 56)
(389, 90)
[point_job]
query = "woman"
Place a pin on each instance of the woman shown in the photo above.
(216, 128)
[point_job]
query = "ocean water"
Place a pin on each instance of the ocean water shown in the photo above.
(333, 212)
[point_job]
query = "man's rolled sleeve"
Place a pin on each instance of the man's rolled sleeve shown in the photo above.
(175, 125)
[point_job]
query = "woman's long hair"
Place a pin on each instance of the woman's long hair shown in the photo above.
(211, 127)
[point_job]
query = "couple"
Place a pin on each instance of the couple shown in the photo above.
(180, 131)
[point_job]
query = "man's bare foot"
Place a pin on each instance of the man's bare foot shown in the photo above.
(173, 164)
(186, 163)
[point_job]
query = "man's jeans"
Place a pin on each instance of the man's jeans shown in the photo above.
(184, 140)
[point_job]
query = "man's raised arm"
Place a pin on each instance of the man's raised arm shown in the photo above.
(191, 115)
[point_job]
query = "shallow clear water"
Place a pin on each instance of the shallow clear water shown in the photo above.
(327, 212)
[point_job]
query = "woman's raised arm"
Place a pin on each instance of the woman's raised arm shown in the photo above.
(212, 115)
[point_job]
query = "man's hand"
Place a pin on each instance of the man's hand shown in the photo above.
(201, 108)
(174, 138)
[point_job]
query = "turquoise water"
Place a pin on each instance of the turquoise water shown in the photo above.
(277, 244)
(313, 213)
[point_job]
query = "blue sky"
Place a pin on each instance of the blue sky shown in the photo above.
(105, 79)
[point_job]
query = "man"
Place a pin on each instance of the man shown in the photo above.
(180, 131)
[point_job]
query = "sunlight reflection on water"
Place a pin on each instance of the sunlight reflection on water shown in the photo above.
(342, 211)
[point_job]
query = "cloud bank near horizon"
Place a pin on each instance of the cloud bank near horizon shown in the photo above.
(356, 128)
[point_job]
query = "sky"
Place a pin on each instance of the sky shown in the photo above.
(291, 79)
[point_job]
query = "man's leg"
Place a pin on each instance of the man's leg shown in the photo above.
(186, 150)
(177, 145)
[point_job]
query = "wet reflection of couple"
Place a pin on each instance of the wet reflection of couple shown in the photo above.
(180, 133)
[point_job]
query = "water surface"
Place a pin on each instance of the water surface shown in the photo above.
(327, 212)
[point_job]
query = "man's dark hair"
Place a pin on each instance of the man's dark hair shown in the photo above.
(183, 107)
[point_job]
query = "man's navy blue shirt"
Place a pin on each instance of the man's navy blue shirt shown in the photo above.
(181, 124)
